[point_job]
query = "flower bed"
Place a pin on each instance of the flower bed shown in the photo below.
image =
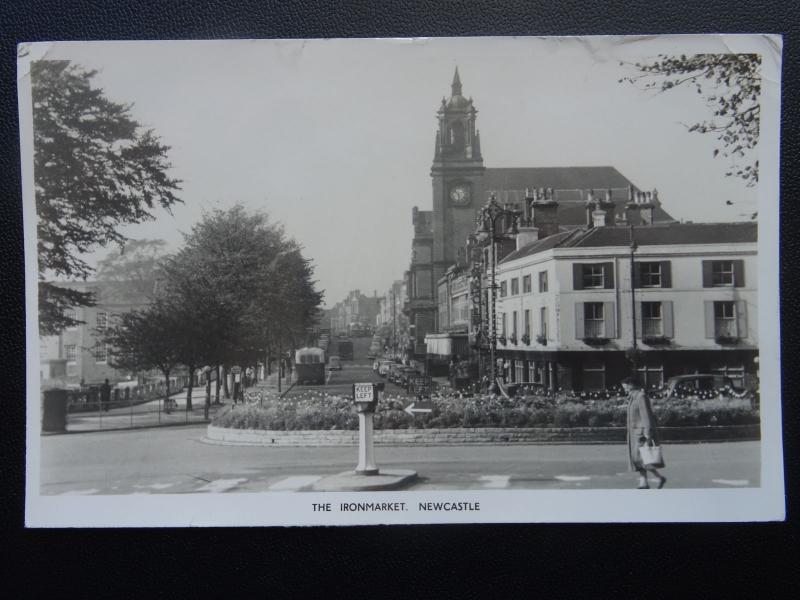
(320, 411)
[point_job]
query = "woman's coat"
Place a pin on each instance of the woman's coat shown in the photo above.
(641, 424)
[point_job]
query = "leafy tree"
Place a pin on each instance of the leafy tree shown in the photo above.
(246, 285)
(95, 169)
(731, 87)
(145, 340)
(134, 260)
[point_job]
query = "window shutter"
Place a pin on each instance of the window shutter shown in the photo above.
(580, 330)
(710, 329)
(666, 274)
(639, 328)
(707, 274)
(738, 273)
(637, 275)
(667, 320)
(577, 276)
(608, 275)
(608, 317)
(741, 318)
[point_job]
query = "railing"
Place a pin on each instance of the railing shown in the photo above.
(142, 405)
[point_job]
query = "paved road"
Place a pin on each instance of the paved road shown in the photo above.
(177, 460)
(359, 370)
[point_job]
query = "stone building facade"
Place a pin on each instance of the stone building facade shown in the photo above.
(461, 184)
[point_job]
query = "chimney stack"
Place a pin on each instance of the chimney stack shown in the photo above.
(544, 213)
(526, 236)
(599, 217)
(640, 210)
(606, 204)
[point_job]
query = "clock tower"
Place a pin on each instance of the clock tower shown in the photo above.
(457, 172)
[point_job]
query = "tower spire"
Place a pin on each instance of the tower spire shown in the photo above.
(456, 86)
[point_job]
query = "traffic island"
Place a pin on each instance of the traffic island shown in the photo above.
(350, 481)
(366, 477)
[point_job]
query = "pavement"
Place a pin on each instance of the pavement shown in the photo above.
(175, 460)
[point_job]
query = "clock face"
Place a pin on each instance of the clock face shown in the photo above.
(459, 194)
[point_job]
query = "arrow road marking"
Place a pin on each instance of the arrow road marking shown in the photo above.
(411, 410)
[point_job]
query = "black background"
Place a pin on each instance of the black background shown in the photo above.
(413, 561)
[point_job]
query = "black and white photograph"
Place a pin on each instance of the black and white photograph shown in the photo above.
(423, 280)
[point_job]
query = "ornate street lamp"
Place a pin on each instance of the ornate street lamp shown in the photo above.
(490, 213)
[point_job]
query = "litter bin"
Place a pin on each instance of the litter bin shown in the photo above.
(54, 413)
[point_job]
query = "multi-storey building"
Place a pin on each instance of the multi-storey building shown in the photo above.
(570, 305)
(461, 184)
(86, 357)
(354, 314)
(390, 321)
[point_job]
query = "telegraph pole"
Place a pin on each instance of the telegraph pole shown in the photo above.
(394, 320)
(633, 247)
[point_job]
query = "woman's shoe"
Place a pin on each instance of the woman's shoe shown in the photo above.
(661, 481)
(643, 484)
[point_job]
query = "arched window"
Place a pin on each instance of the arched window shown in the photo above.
(457, 134)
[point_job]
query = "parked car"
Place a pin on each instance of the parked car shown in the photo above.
(406, 374)
(384, 366)
(703, 384)
(334, 363)
(394, 373)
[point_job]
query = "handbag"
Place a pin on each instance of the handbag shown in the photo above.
(651, 454)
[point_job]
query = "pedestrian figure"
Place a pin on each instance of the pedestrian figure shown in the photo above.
(105, 395)
(641, 431)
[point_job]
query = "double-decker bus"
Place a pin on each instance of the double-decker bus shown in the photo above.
(310, 365)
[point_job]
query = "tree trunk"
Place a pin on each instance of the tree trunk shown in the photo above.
(216, 398)
(166, 388)
(189, 390)
(207, 406)
(280, 366)
(225, 382)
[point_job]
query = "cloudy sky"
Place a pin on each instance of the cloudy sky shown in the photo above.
(334, 138)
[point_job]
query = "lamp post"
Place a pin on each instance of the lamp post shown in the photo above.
(490, 213)
(476, 294)
(634, 352)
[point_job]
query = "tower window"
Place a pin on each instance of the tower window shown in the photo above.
(457, 134)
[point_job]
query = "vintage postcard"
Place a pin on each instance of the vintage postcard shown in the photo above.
(434, 280)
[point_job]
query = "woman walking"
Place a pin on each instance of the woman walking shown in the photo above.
(641, 432)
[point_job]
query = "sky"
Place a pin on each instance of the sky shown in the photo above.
(335, 138)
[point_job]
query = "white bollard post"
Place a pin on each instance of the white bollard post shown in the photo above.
(366, 448)
(365, 396)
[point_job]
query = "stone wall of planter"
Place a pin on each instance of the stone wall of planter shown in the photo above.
(543, 435)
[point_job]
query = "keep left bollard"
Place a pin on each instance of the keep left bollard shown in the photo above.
(365, 397)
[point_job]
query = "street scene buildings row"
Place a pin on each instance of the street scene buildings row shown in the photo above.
(590, 272)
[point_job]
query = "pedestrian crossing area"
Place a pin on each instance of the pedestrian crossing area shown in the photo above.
(454, 481)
